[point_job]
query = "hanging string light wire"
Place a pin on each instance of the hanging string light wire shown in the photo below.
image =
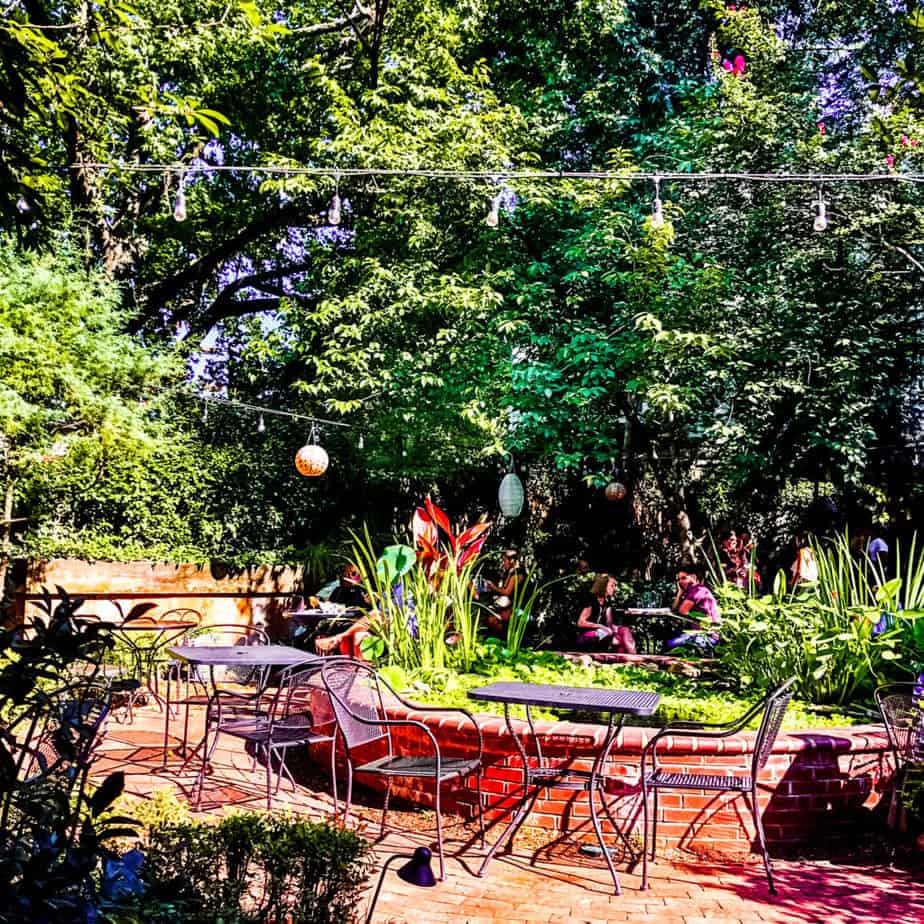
(513, 174)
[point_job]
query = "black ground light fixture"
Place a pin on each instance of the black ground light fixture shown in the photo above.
(416, 871)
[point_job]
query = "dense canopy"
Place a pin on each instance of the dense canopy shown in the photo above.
(727, 361)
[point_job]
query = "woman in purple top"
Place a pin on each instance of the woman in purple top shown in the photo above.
(694, 597)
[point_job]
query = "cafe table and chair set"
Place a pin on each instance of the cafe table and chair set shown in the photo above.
(267, 696)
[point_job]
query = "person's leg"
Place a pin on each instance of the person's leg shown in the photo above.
(623, 641)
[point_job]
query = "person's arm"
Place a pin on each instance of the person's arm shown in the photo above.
(685, 607)
(511, 582)
(584, 620)
(675, 606)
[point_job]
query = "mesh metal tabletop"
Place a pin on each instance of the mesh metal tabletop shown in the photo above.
(598, 699)
(248, 655)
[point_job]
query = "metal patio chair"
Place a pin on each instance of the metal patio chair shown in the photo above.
(904, 725)
(287, 723)
(773, 707)
(358, 697)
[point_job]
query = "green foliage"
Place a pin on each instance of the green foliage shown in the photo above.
(253, 868)
(840, 637)
(681, 698)
(56, 830)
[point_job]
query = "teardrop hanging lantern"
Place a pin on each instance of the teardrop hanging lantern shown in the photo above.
(615, 491)
(312, 460)
(510, 494)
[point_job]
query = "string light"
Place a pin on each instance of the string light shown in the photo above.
(493, 217)
(333, 210)
(261, 424)
(821, 214)
(657, 216)
(179, 207)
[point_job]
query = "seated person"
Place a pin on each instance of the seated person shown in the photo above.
(512, 576)
(349, 592)
(596, 624)
(694, 598)
(346, 639)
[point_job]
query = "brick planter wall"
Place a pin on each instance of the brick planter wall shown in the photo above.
(811, 789)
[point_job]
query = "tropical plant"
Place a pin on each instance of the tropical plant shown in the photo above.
(423, 597)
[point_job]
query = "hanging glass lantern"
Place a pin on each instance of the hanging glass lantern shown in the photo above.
(510, 494)
(312, 460)
(615, 491)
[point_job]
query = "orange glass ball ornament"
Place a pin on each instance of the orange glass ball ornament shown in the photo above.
(311, 461)
(615, 491)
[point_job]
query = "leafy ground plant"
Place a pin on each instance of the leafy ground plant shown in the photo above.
(253, 868)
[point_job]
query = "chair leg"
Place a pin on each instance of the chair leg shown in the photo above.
(385, 806)
(268, 754)
(644, 832)
(439, 832)
(654, 826)
(759, 825)
(333, 771)
(349, 793)
(480, 808)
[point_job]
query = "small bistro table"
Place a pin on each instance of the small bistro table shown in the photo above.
(617, 704)
(248, 656)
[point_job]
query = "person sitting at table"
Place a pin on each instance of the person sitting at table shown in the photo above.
(596, 624)
(512, 576)
(694, 598)
(349, 592)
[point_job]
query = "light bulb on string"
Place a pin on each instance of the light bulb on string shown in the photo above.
(333, 210)
(492, 219)
(261, 424)
(821, 214)
(179, 206)
(657, 216)
(360, 443)
(205, 412)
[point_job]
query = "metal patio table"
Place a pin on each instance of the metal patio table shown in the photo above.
(617, 704)
(253, 656)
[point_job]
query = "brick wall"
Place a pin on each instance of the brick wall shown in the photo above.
(812, 787)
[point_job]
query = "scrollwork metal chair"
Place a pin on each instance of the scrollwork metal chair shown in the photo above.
(904, 724)
(773, 707)
(358, 697)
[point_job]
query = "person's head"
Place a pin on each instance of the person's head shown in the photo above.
(600, 586)
(509, 559)
(349, 574)
(744, 536)
(687, 576)
(582, 566)
(801, 540)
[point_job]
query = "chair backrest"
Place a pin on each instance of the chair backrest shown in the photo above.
(180, 614)
(73, 728)
(775, 706)
(356, 698)
(220, 634)
(903, 720)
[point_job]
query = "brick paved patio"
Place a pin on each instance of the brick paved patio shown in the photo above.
(541, 881)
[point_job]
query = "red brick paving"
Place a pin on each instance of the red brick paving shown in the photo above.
(539, 883)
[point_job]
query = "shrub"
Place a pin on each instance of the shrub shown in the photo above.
(253, 868)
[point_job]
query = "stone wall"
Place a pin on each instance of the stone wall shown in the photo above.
(256, 595)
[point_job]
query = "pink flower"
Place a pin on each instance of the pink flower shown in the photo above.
(822, 130)
(890, 160)
(905, 140)
(737, 67)
(914, 142)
